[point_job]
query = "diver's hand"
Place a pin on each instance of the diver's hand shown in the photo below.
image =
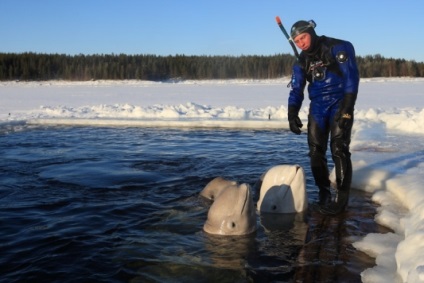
(345, 119)
(294, 121)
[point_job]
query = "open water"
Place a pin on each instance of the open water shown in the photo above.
(99, 204)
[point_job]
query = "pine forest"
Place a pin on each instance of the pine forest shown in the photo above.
(35, 66)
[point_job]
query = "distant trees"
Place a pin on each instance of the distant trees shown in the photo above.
(378, 66)
(34, 66)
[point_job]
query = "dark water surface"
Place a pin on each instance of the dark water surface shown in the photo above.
(91, 204)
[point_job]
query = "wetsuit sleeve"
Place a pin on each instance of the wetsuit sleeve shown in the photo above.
(298, 82)
(345, 56)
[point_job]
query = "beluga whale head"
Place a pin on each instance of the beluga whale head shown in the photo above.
(215, 187)
(283, 190)
(232, 211)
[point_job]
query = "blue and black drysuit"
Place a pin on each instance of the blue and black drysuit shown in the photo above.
(331, 71)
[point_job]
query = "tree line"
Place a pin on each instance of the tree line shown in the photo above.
(35, 66)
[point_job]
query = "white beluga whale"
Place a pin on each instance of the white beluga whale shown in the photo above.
(232, 211)
(283, 190)
(215, 187)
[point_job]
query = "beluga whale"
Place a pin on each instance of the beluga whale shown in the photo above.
(215, 187)
(283, 190)
(232, 212)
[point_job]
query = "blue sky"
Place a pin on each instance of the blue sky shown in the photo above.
(391, 28)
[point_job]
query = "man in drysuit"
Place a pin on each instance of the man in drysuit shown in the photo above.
(329, 67)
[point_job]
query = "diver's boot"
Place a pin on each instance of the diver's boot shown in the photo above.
(338, 205)
(324, 196)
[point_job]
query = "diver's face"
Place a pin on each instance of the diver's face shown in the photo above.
(303, 41)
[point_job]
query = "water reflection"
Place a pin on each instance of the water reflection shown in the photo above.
(294, 223)
(230, 252)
